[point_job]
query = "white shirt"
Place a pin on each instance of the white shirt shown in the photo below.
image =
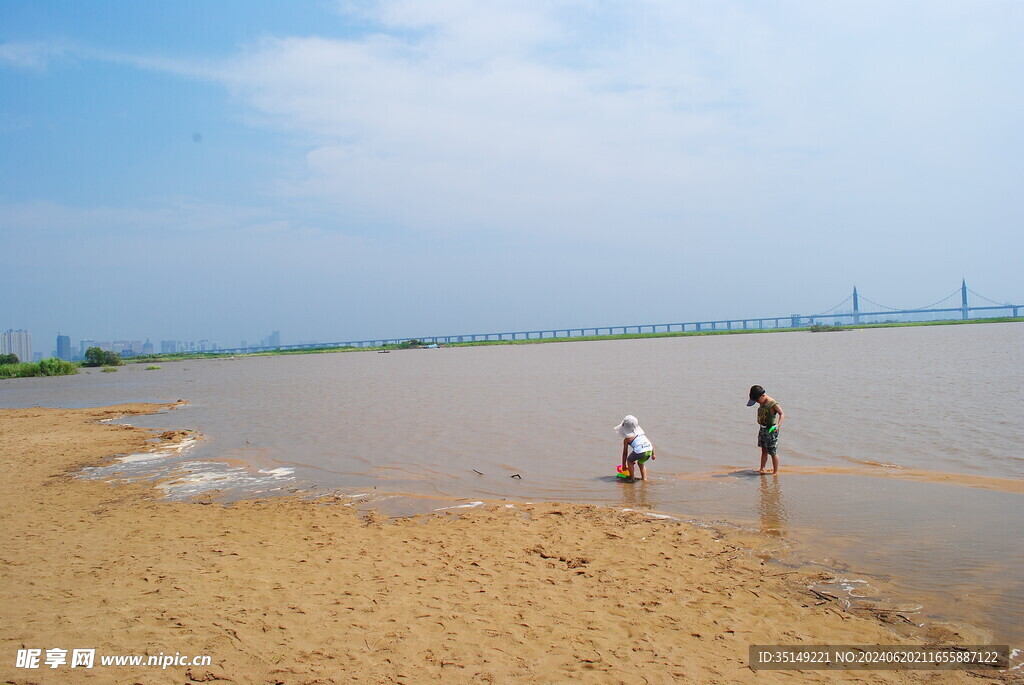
(640, 444)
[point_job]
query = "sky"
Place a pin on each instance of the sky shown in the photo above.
(351, 169)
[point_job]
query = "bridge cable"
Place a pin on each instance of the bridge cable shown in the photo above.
(952, 294)
(896, 309)
(999, 304)
(828, 311)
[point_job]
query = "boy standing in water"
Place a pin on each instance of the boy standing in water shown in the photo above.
(769, 418)
(636, 447)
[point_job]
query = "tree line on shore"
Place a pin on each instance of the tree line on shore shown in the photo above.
(12, 367)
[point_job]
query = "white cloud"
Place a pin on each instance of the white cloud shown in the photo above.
(697, 127)
(555, 116)
(581, 118)
(473, 119)
(31, 55)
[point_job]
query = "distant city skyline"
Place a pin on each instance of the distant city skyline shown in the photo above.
(346, 171)
(70, 348)
(20, 343)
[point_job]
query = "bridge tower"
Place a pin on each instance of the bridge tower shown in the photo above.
(856, 307)
(963, 300)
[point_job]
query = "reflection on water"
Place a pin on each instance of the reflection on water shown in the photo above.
(458, 423)
(770, 506)
(637, 496)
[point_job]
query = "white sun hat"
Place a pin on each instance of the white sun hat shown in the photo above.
(629, 427)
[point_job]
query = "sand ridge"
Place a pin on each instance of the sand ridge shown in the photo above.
(310, 591)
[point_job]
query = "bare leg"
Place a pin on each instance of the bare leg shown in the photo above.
(632, 466)
(643, 471)
(764, 460)
(775, 463)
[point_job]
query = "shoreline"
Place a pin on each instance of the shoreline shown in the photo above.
(190, 356)
(302, 590)
(883, 471)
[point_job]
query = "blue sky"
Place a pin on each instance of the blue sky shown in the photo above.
(343, 170)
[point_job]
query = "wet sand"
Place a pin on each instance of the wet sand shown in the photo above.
(312, 591)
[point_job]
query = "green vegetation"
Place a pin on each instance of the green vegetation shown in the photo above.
(9, 359)
(948, 322)
(94, 356)
(45, 367)
(188, 356)
(109, 369)
(152, 368)
(819, 328)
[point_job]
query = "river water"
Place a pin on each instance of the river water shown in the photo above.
(902, 451)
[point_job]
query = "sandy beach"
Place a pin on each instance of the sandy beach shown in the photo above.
(292, 590)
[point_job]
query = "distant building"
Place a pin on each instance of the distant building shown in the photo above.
(121, 346)
(169, 347)
(272, 340)
(147, 347)
(136, 347)
(83, 345)
(17, 342)
(63, 346)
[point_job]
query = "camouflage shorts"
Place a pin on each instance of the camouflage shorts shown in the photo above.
(769, 441)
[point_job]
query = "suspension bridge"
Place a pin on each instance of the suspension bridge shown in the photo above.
(956, 305)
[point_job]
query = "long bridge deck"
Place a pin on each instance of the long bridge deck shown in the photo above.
(837, 315)
(760, 323)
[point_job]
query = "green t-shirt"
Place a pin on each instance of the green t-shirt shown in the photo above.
(766, 413)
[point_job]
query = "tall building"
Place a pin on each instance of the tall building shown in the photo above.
(17, 342)
(63, 346)
(272, 340)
